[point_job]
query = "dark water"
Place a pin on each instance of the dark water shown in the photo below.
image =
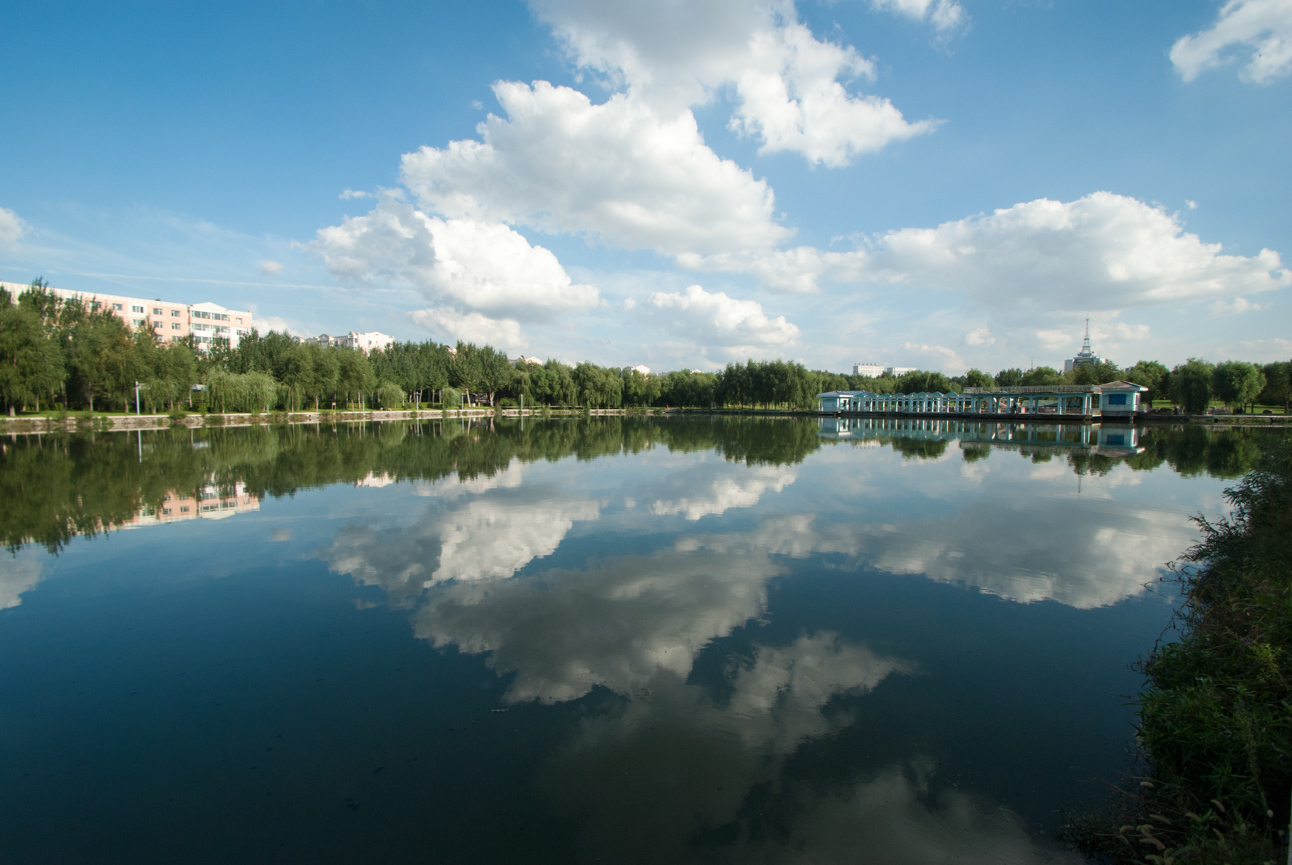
(607, 640)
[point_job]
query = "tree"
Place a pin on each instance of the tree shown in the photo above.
(31, 366)
(977, 378)
(1191, 385)
(1009, 377)
(1278, 384)
(389, 396)
(1236, 383)
(102, 355)
(1151, 375)
(1042, 376)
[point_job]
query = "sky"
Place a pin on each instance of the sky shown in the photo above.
(933, 183)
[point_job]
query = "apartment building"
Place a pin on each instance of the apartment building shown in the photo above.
(365, 342)
(169, 321)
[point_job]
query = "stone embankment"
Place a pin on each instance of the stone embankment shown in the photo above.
(76, 421)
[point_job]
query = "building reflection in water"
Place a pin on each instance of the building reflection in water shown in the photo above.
(209, 503)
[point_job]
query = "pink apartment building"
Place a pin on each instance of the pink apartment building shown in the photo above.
(168, 320)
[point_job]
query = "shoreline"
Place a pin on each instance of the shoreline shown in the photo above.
(107, 422)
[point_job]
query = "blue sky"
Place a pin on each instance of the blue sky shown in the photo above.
(935, 183)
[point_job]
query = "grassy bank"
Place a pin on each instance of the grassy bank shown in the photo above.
(1215, 717)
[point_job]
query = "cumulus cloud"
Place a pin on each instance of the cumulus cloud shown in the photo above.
(941, 356)
(12, 227)
(483, 265)
(715, 488)
(1100, 252)
(979, 336)
(271, 268)
(450, 326)
(1260, 29)
(617, 625)
(944, 15)
(1235, 306)
(615, 171)
(787, 82)
(714, 318)
(18, 575)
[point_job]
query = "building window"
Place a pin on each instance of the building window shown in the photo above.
(1117, 399)
(136, 309)
(165, 511)
(94, 304)
(174, 325)
(156, 310)
(116, 307)
(183, 509)
(139, 322)
(175, 313)
(239, 321)
(157, 324)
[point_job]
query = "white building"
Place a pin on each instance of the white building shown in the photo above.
(366, 342)
(641, 368)
(869, 370)
(168, 320)
(1085, 357)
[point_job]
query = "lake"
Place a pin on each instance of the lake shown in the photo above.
(710, 639)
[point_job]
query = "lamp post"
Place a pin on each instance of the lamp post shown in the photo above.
(136, 399)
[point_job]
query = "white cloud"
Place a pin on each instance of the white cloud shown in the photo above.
(617, 625)
(270, 268)
(267, 323)
(354, 193)
(944, 15)
(616, 171)
(1235, 306)
(1262, 28)
(451, 326)
(791, 98)
(715, 318)
(944, 357)
(12, 227)
(18, 575)
(979, 336)
(1054, 339)
(492, 539)
(715, 488)
(483, 265)
(787, 82)
(1100, 252)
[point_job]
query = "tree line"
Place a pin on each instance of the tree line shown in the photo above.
(57, 353)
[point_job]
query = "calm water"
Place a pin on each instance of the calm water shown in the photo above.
(583, 641)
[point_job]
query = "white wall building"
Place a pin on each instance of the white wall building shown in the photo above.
(870, 370)
(169, 320)
(641, 368)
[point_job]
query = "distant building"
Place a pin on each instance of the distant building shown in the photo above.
(1085, 357)
(168, 320)
(641, 368)
(869, 370)
(365, 342)
(898, 371)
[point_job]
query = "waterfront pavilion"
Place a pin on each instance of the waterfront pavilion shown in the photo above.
(1118, 399)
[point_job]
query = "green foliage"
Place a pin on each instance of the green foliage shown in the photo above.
(389, 396)
(1151, 375)
(977, 378)
(1042, 376)
(1236, 383)
(1278, 384)
(1216, 710)
(1009, 378)
(1191, 385)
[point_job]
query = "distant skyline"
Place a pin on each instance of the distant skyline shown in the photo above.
(929, 183)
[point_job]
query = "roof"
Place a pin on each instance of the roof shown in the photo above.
(1122, 385)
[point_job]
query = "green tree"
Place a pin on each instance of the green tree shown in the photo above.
(977, 378)
(1042, 376)
(1151, 375)
(1191, 385)
(1278, 384)
(31, 366)
(389, 396)
(102, 356)
(1009, 377)
(1236, 383)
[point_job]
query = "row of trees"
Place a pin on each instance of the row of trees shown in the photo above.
(55, 352)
